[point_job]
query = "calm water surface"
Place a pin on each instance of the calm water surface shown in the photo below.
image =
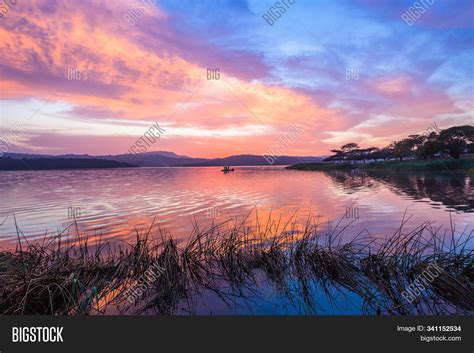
(114, 202)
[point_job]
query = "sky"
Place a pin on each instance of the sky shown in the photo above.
(93, 76)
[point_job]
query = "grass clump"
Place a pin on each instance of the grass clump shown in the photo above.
(232, 260)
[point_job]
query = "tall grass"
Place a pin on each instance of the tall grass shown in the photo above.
(231, 259)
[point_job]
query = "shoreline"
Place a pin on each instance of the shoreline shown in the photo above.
(451, 165)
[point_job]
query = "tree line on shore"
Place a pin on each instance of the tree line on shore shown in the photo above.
(454, 141)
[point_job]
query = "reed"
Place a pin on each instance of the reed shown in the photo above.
(233, 259)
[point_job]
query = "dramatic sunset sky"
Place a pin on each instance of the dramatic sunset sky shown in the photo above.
(294, 71)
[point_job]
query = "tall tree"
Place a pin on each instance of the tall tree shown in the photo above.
(430, 147)
(349, 147)
(402, 149)
(456, 139)
(347, 152)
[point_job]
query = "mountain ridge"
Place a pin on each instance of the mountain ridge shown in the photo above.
(171, 159)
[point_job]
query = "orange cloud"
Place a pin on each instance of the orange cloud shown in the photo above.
(120, 78)
(113, 74)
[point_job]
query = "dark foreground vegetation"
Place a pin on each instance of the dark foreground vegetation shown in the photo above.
(232, 260)
(58, 163)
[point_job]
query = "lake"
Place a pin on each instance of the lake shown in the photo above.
(114, 202)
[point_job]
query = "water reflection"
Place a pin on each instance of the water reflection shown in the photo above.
(113, 203)
(453, 190)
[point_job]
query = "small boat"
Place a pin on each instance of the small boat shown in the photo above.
(227, 170)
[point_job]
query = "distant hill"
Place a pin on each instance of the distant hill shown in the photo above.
(166, 154)
(170, 159)
(248, 159)
(149, 159)
(58, 163)
(153, 159)
(28, 155)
